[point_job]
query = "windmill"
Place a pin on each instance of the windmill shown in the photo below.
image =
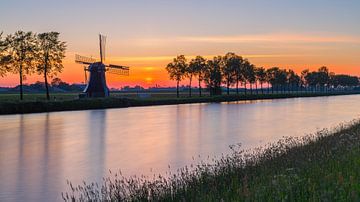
(96, 85)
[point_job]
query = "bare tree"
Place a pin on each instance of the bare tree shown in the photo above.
(176, 70)
(50, 56)
(20, 54)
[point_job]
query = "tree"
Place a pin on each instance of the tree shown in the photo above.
(51, 54)
(342, 80)
(248, 74)
(245, 72)
(231, 64)
(190, 71)
(213, 76)
(3, 57)
(260, 74)
(304, 75)
(323, 77)
(293, 79)
(198, 64)
(239, 68)
(176, 70)
(56, 81)
(21, 49)
(273, 77)
(251, 77)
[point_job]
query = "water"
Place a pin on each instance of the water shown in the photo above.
(39, 152)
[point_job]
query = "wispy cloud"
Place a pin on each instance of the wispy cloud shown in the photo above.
(263, 38)
(169, 58)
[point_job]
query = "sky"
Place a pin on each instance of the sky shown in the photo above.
(147, 34)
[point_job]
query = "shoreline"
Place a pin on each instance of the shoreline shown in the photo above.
(26, 107)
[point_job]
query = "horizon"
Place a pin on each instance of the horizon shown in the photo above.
(147, 36)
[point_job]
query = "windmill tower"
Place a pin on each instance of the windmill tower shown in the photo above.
(96, 85)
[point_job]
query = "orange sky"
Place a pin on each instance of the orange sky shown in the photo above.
(146, 35)
(147, 57)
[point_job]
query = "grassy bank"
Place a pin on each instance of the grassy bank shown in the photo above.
(320, 167)
(20, 107)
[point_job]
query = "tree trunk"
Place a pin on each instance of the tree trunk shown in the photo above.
(245, 86)
(177, 89)
(21, 82)
(237, 86)
(45, 77)
(251, 90)
(46, 86)
(261, 86)
(190, 86)
(228, 88)
(256, 88)
(199, 85)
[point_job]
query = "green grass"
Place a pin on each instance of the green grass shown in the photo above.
(15, 97)
(34, 103)
(321, 167)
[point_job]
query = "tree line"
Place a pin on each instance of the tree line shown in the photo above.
(233, 70)
(25, 53)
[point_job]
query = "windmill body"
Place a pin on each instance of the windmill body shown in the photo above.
(96, 85)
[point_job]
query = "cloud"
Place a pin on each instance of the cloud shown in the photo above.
(169, 58)
(263, 38)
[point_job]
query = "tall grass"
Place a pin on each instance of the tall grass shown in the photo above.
(324, 166)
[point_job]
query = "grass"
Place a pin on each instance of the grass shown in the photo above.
(321, 167)
(14, 97)
(66, 102)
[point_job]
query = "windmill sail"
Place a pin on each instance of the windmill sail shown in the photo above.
(102, 40)
(84, 60)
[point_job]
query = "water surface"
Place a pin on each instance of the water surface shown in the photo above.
(39, 152)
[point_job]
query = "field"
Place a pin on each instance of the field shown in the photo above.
(14, 97)
(319, 167)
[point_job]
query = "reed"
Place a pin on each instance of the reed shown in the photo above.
(320, 167)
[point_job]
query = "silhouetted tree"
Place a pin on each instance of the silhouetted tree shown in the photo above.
(190, 72)
(323, 77)
(303, 76)
(176, 70)
(3, 57)
(21, 49)
(198, 64)
(273, 74)
(231, 63)
(343, 80)
(293, 79)
(213, 76)
(245, 73)
(51, 54)
(260, 74)
(248, 73)
(56, 81)
(239, 75)
(250, 76)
